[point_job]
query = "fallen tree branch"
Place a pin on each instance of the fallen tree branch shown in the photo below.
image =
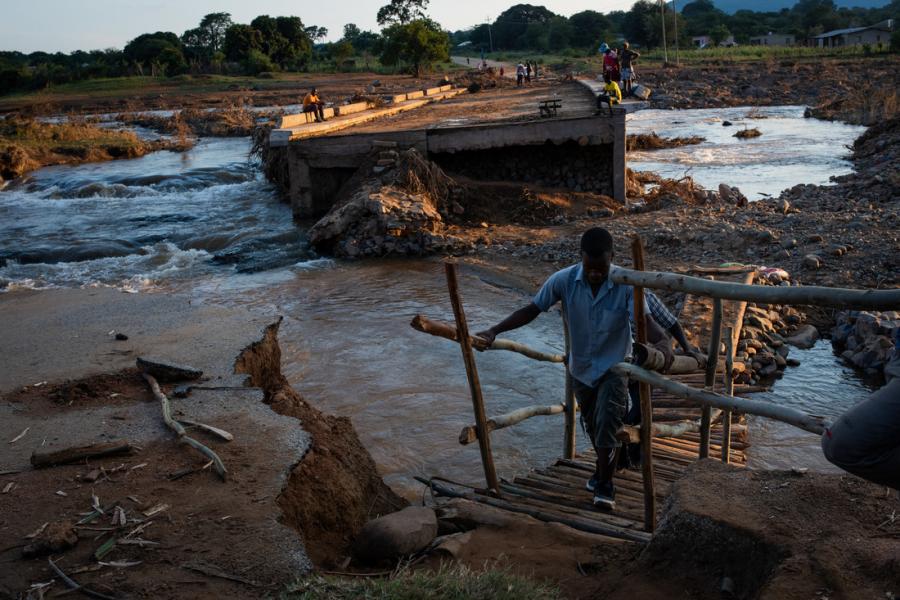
(743, 405)
(209, 428)
(41, 459)
(178, 429)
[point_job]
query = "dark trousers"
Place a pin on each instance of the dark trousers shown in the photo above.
(318, 109)
(604, 100)
(865, 440)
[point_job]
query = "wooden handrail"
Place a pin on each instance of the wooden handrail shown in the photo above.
(785, 414)
(447, 331)
(726, 290)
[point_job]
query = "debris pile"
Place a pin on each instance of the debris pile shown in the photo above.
(395, 210)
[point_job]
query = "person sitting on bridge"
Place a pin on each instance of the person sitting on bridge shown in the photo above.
(312, 103)
(599, 314)
(631, 454)
(865, 440)
(610, 95)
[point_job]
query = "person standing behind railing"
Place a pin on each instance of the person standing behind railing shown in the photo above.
(630, 457)
(865, 440)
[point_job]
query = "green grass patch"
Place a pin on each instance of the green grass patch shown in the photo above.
(584, 61)
(449, 582)
(758, 53)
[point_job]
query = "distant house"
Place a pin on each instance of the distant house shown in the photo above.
(704, 41)
(774, 39)
(879, 33)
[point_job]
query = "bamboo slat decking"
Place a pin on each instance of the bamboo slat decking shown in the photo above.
(557, 493)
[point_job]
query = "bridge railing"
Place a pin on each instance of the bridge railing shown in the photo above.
(647, 361)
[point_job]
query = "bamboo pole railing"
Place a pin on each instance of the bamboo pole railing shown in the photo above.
(729, 391)
(462, 328)
(637, 254)
(715, 340)
(726, 290)
(713, 405)
(469, 433)
(448, 331)
(785, 414)
(571, 429)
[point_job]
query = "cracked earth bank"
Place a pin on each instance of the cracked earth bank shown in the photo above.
(295, 476)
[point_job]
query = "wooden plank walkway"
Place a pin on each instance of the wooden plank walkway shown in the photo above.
(557, 493)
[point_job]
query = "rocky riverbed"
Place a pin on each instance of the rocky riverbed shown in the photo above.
(857, 90)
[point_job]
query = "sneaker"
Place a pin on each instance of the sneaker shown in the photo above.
(591, 484)
(605, 496)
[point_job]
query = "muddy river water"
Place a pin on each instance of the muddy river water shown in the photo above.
(205, 223)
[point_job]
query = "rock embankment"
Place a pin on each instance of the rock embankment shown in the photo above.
(865, 339)
(861, 90)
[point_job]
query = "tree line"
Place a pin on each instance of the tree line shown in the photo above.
(409, 39)
(527, 27)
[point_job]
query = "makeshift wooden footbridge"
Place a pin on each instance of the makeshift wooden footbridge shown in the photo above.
(695, 414)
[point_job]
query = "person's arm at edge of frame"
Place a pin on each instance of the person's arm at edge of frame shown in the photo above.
(657, 337)
(678, 333)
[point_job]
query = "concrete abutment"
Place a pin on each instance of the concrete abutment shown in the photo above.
(582, 154)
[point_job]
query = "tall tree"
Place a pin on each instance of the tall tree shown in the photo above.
(512, 24)
(240, 41)
(638, 22)
(214, 25)
(401, 12)
(420, 43)
(588, 28)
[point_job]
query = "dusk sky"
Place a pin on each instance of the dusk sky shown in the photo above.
(66, 25)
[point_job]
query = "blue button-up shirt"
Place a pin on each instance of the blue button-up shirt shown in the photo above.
(599, 326)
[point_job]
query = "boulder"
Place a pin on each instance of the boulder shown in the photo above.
(811, 261)
(804, 337)
(397, 534)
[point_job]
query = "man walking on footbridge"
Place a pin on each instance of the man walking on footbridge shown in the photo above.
(599, 314)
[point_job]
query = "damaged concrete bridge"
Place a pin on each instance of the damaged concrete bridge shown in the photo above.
(579, 153)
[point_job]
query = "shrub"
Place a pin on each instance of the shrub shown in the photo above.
(257, 62)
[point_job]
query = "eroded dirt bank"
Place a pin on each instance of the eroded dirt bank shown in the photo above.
(299, 483)
(335, 489)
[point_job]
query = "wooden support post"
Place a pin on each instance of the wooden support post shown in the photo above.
(484, 439)
(715, 340)
(741, 310)
(729, 391)
(571, 407)
(637, 252)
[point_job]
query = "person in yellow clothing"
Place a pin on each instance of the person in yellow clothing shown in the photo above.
(611, 94)
(312, 103)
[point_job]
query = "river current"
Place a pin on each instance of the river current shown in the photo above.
(206, 223)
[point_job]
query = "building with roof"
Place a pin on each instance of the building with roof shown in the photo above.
(873, 35)
(774, 39)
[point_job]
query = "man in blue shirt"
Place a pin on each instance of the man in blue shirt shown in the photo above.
(598, 313)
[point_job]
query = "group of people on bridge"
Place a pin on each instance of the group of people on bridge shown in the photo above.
(618, 74)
